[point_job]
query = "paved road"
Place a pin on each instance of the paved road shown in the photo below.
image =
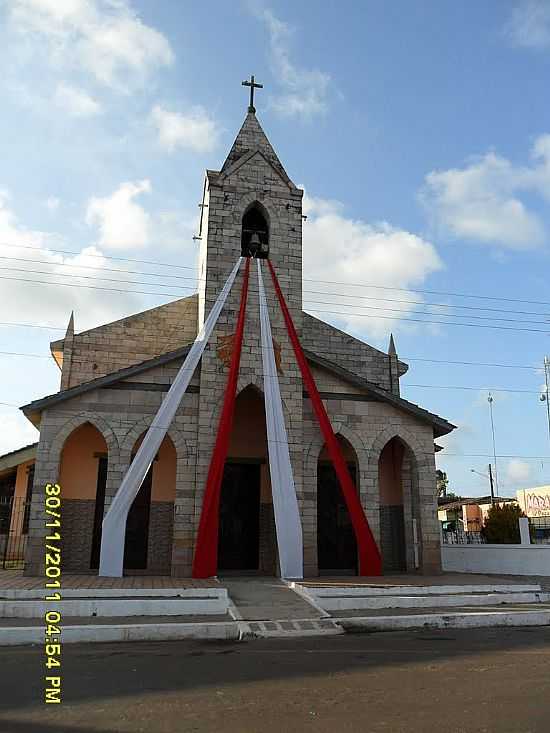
(477, 681)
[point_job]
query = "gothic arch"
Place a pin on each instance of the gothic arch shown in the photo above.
(129, 440)
(77, 421)
(249, 199)
(313, 450)
(384, 437)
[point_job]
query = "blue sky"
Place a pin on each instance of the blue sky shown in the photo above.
(420, 132)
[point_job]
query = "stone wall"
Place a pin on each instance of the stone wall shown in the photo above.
(99, 351)
(77, 526)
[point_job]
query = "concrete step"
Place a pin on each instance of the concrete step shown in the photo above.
(440, 619)
(111, 632)
(75, 630)
(39, 593)
(190, 604)
(345, 602)
(414, 590)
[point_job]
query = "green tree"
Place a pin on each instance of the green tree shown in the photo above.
(501, 526)
(442, 482)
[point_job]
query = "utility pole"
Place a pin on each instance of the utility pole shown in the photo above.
(490, 400)
(491, 482)
(547, 393)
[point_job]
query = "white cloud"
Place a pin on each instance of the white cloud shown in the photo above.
(305, 91)
(76, 102)
(193, 131)
(486, 201)
(529, 25)
(343, 252)
(123, 224)
(518, 472)
(16, 431)
(52, 203)
(104, 37)
(25, 302)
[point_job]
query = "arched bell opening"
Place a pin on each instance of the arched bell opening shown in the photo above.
(255, 232)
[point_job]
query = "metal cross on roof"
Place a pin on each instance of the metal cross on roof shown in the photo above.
(252, 84)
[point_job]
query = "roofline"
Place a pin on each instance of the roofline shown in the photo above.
(67, 394)
(441, 426)
(17, 456)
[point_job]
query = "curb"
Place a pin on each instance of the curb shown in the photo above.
(445, 621)
(226, 630)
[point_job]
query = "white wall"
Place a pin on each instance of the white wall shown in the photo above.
(501, 559)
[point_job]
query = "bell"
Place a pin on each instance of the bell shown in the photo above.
(254, 245)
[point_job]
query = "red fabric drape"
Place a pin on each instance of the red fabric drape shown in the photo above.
(370, 561)
(205, 562)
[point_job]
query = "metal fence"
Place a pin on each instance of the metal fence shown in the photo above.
(459, 537)
(14, 527)
(540, 530)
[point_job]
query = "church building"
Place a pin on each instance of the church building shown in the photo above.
(115, 377)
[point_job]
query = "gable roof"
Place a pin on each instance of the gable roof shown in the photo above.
(33, 409)
(440, 425)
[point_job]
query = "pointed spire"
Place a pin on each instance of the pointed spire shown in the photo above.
(252, 137)
(69, 333)
(391, 349)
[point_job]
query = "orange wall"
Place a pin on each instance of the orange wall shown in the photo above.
(389, 474)
(249, 436)
(21, 480)
(78, 472)
(164, 471)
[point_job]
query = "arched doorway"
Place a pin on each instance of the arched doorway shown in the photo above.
(392, 511)
(246, 538)
(336, 544)
(83, 478)
(149, 527)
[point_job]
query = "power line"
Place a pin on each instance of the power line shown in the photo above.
(420, 386)
(94, 287)
(91, 267)
(344, 353)
(423, 312)
(316, 310)
(94, 277)
(312, 292)
(439, 323)
(329, 282)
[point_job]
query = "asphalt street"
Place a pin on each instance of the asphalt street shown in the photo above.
(482, 681)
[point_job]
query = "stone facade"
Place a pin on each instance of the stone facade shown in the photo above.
(364, 407)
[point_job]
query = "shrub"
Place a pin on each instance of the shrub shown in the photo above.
(501, 526)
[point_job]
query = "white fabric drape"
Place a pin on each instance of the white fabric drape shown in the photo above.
(114, 524)
(285, 503)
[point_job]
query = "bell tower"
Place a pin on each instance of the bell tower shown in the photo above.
(250, 208)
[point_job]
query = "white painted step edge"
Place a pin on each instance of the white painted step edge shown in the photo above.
(40, 593)
(116, 607)
(420, 590)
(447, 621)
(18, 635)
(489, 599)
